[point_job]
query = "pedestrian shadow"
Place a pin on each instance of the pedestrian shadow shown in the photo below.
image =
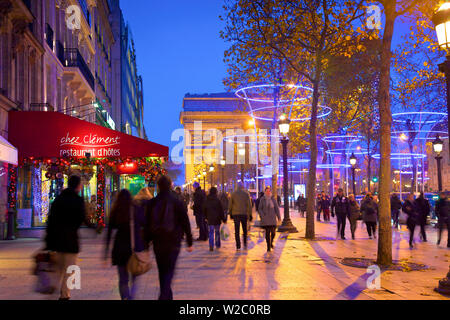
(351, 291)
(355, 289)
(272, 262)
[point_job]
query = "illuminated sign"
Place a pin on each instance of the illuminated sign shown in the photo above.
(93, 144)
(127, 168)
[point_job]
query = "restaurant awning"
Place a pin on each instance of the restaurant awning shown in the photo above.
(51, 134)
(8, 153)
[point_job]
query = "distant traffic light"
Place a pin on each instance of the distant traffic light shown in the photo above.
(375, 179)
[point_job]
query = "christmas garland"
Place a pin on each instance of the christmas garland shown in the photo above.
(101, 196)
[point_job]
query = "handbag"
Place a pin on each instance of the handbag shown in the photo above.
(139, 262)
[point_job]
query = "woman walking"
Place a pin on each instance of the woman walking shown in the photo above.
(369, 209)
(269, 212)
(123, 210)
(354, 214)
(215, 215)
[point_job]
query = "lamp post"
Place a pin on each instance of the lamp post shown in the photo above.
(222, 164)
(241, 151)
(438, 146)
(284, 126)
(441, 20)
(353, 162)
(211, 170)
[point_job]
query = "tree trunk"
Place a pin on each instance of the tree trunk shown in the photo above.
(385, 231)
(311, 186)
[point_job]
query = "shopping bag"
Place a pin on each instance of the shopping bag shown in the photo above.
(45, 271)
(224, 233)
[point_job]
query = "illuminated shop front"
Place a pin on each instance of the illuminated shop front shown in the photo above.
(54, 146)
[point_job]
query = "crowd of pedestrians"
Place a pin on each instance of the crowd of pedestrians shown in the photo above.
(417, 210)
(138, 223)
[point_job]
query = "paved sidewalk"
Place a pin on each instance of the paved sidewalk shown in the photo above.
(297, 269)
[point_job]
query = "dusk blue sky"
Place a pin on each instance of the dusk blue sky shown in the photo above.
(179, 51)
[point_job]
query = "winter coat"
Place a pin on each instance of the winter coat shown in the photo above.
(301, 203)
(410, 209)
(166, 222)
(122, 250)
(396, 204)
(423, 208)
(199, 201)
(213, 211)
(240, 204)
(442, 210)
(369, 209)
(268, 213)
(340, 205)
(67, 214)
(354, 210)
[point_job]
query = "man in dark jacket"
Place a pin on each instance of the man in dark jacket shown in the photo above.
(341, 208)
(396, 205)
(166, 222)
(215, 215)
(443, 213)
(423, 208)
(199, 203)
(67, 214)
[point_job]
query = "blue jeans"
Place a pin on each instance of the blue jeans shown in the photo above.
(214, 231)
(126, 292)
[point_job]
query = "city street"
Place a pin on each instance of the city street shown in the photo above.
(297, 269)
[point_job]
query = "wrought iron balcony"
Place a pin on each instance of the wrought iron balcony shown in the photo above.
(73, 58)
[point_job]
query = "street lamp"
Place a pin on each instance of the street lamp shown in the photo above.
(441, 20)
(211, 170)
(438, 146)
(284, 126)
(204, 180)
(222, 164)
(353, 162)
(241, 152)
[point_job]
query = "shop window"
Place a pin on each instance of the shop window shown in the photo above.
(133, 183)
(24, 198)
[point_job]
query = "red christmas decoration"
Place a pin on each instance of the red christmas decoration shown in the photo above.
(12, 187)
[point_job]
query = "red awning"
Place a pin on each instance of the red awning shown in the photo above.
(51, 134)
